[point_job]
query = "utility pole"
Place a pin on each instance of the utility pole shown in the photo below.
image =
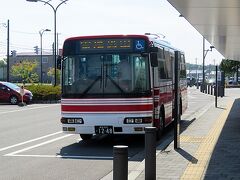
(196, 70)
(197, 74)
(203, 70)
(8, 65)
(57, 44)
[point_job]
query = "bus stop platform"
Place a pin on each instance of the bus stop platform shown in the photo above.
(209, 142)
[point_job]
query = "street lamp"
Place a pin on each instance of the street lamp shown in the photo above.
(204, 56)
(41, 33)
(8, 65)
(55, 32)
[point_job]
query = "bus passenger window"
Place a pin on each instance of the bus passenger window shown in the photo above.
(161, 53)
(162, 69)
(183, 73)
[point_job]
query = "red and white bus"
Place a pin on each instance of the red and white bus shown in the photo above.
(101, 94)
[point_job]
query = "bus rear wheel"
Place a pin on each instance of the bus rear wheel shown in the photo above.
(86, 136)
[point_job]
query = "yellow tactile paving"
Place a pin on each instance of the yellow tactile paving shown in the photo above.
(204, 152)
(191, 139)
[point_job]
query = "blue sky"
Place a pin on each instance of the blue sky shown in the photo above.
(94, 17)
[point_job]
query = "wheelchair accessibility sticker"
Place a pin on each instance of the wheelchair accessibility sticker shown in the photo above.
(139, 45)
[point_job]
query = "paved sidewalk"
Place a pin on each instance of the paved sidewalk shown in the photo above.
(209, 144)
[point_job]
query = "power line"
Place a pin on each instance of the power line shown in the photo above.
(19, 46)
(29, 33)
(22, 32)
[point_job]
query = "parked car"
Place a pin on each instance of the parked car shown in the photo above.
(211, 81)
(10, 92)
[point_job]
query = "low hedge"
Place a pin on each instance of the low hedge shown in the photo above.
(45, 92)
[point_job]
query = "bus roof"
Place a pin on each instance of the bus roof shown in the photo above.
(108, 36)
(162, 43)
(156, 41)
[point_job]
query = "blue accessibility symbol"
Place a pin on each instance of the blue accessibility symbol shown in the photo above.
(139, 45)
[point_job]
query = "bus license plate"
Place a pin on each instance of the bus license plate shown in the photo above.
(103, 129)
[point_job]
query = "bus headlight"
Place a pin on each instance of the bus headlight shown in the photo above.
(129, 120)
(72, 120)
(137, 120)
(78, 121)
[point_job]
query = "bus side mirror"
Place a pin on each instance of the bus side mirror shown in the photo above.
(154, 59)
(59, 62)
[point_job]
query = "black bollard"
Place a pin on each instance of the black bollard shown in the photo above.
(205, 88)
(208, 88)
(150, 153)
(120, 162)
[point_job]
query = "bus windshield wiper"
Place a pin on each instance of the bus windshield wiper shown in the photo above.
(119, 88)
(91, 85)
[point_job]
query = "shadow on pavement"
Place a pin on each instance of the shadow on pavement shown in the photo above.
(101, 147)
(187, 156)
(225, 159)
(185, 123)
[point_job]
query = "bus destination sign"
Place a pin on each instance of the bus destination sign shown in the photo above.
(105, 44)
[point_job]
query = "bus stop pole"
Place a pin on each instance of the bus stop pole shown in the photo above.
(216, 87)
(176, 102)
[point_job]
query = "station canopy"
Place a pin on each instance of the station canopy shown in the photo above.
(217, 20)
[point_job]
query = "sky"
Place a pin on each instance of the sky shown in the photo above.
(95, 17)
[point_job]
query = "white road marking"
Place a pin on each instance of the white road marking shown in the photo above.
(29, 141)
(37, 145)
(60, 156)
(26, 109)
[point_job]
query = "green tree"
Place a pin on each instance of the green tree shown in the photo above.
(229, 67)
(51, 73)
(3, 63)
(25, 70)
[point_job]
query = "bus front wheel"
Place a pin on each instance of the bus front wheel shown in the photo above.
(86, 136)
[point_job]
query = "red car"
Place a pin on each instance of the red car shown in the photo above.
(10, 92)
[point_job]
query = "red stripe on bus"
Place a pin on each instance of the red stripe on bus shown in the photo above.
(107, 108)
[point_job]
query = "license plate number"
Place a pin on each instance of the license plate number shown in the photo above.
(103, 129)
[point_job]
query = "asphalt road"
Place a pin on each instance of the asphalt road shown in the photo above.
(32, 145)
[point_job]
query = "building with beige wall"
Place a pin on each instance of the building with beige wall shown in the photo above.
(47, 62)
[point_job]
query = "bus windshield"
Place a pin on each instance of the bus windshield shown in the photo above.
(105, 75)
